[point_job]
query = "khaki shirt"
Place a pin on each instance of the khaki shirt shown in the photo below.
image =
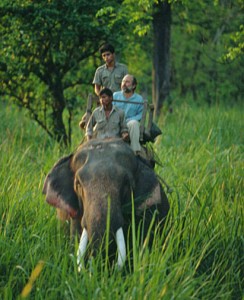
(110, 78)
(100, 127)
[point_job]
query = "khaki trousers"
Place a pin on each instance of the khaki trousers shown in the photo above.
(134, 132)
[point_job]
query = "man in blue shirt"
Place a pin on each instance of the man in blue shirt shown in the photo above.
(133, 111)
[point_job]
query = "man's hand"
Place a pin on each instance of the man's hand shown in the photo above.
(82, 124)
(83, 121)
(97, 89)
(125, 136)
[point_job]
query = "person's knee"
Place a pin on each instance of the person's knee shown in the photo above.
(133, 124)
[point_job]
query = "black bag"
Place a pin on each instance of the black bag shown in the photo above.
(151, 136)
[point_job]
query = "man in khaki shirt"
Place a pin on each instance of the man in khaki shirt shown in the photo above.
(110, 74)
(107, 120)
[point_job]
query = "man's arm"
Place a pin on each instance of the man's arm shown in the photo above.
(123, 127)
(97, 80)
(89, 128)
(82, 123)
(97, 88)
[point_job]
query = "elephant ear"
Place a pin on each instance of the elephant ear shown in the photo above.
(148, 192)
(59, 187)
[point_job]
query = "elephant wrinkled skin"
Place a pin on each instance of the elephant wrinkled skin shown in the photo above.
(80, 185)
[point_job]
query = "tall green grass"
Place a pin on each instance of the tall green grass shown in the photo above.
(198, 256)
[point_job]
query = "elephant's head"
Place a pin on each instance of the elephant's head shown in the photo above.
(103, 174)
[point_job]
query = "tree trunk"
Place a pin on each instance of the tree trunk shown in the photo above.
(161, 55)
(58, 108)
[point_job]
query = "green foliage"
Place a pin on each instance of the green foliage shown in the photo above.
(43, 48)
(237, 49)
(198, 256)
(206, 47)
(205, 62)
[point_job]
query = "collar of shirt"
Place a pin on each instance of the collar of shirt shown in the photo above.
(113, 108)
(115, 65)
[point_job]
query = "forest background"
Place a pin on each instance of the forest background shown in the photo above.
(177, 50)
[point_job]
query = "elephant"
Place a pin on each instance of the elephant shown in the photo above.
(103, 176)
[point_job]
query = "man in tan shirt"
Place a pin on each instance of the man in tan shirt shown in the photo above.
(110, 74)
(107, 120)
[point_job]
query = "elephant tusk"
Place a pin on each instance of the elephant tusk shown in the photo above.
(120, 240)
(82, 248)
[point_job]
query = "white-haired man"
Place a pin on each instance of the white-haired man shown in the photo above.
(132, 105)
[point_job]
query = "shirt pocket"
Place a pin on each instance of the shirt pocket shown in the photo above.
(118, 78)
(105, 81)
(100, 125)
(115, 125)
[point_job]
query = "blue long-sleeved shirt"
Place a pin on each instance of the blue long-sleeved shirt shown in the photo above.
(132, 111)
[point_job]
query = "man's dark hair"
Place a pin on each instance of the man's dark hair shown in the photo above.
(105, 48)
(106, 91)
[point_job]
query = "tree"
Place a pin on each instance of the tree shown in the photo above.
(43, 45)
(196, 46)
(206, 51)
(161, 55)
